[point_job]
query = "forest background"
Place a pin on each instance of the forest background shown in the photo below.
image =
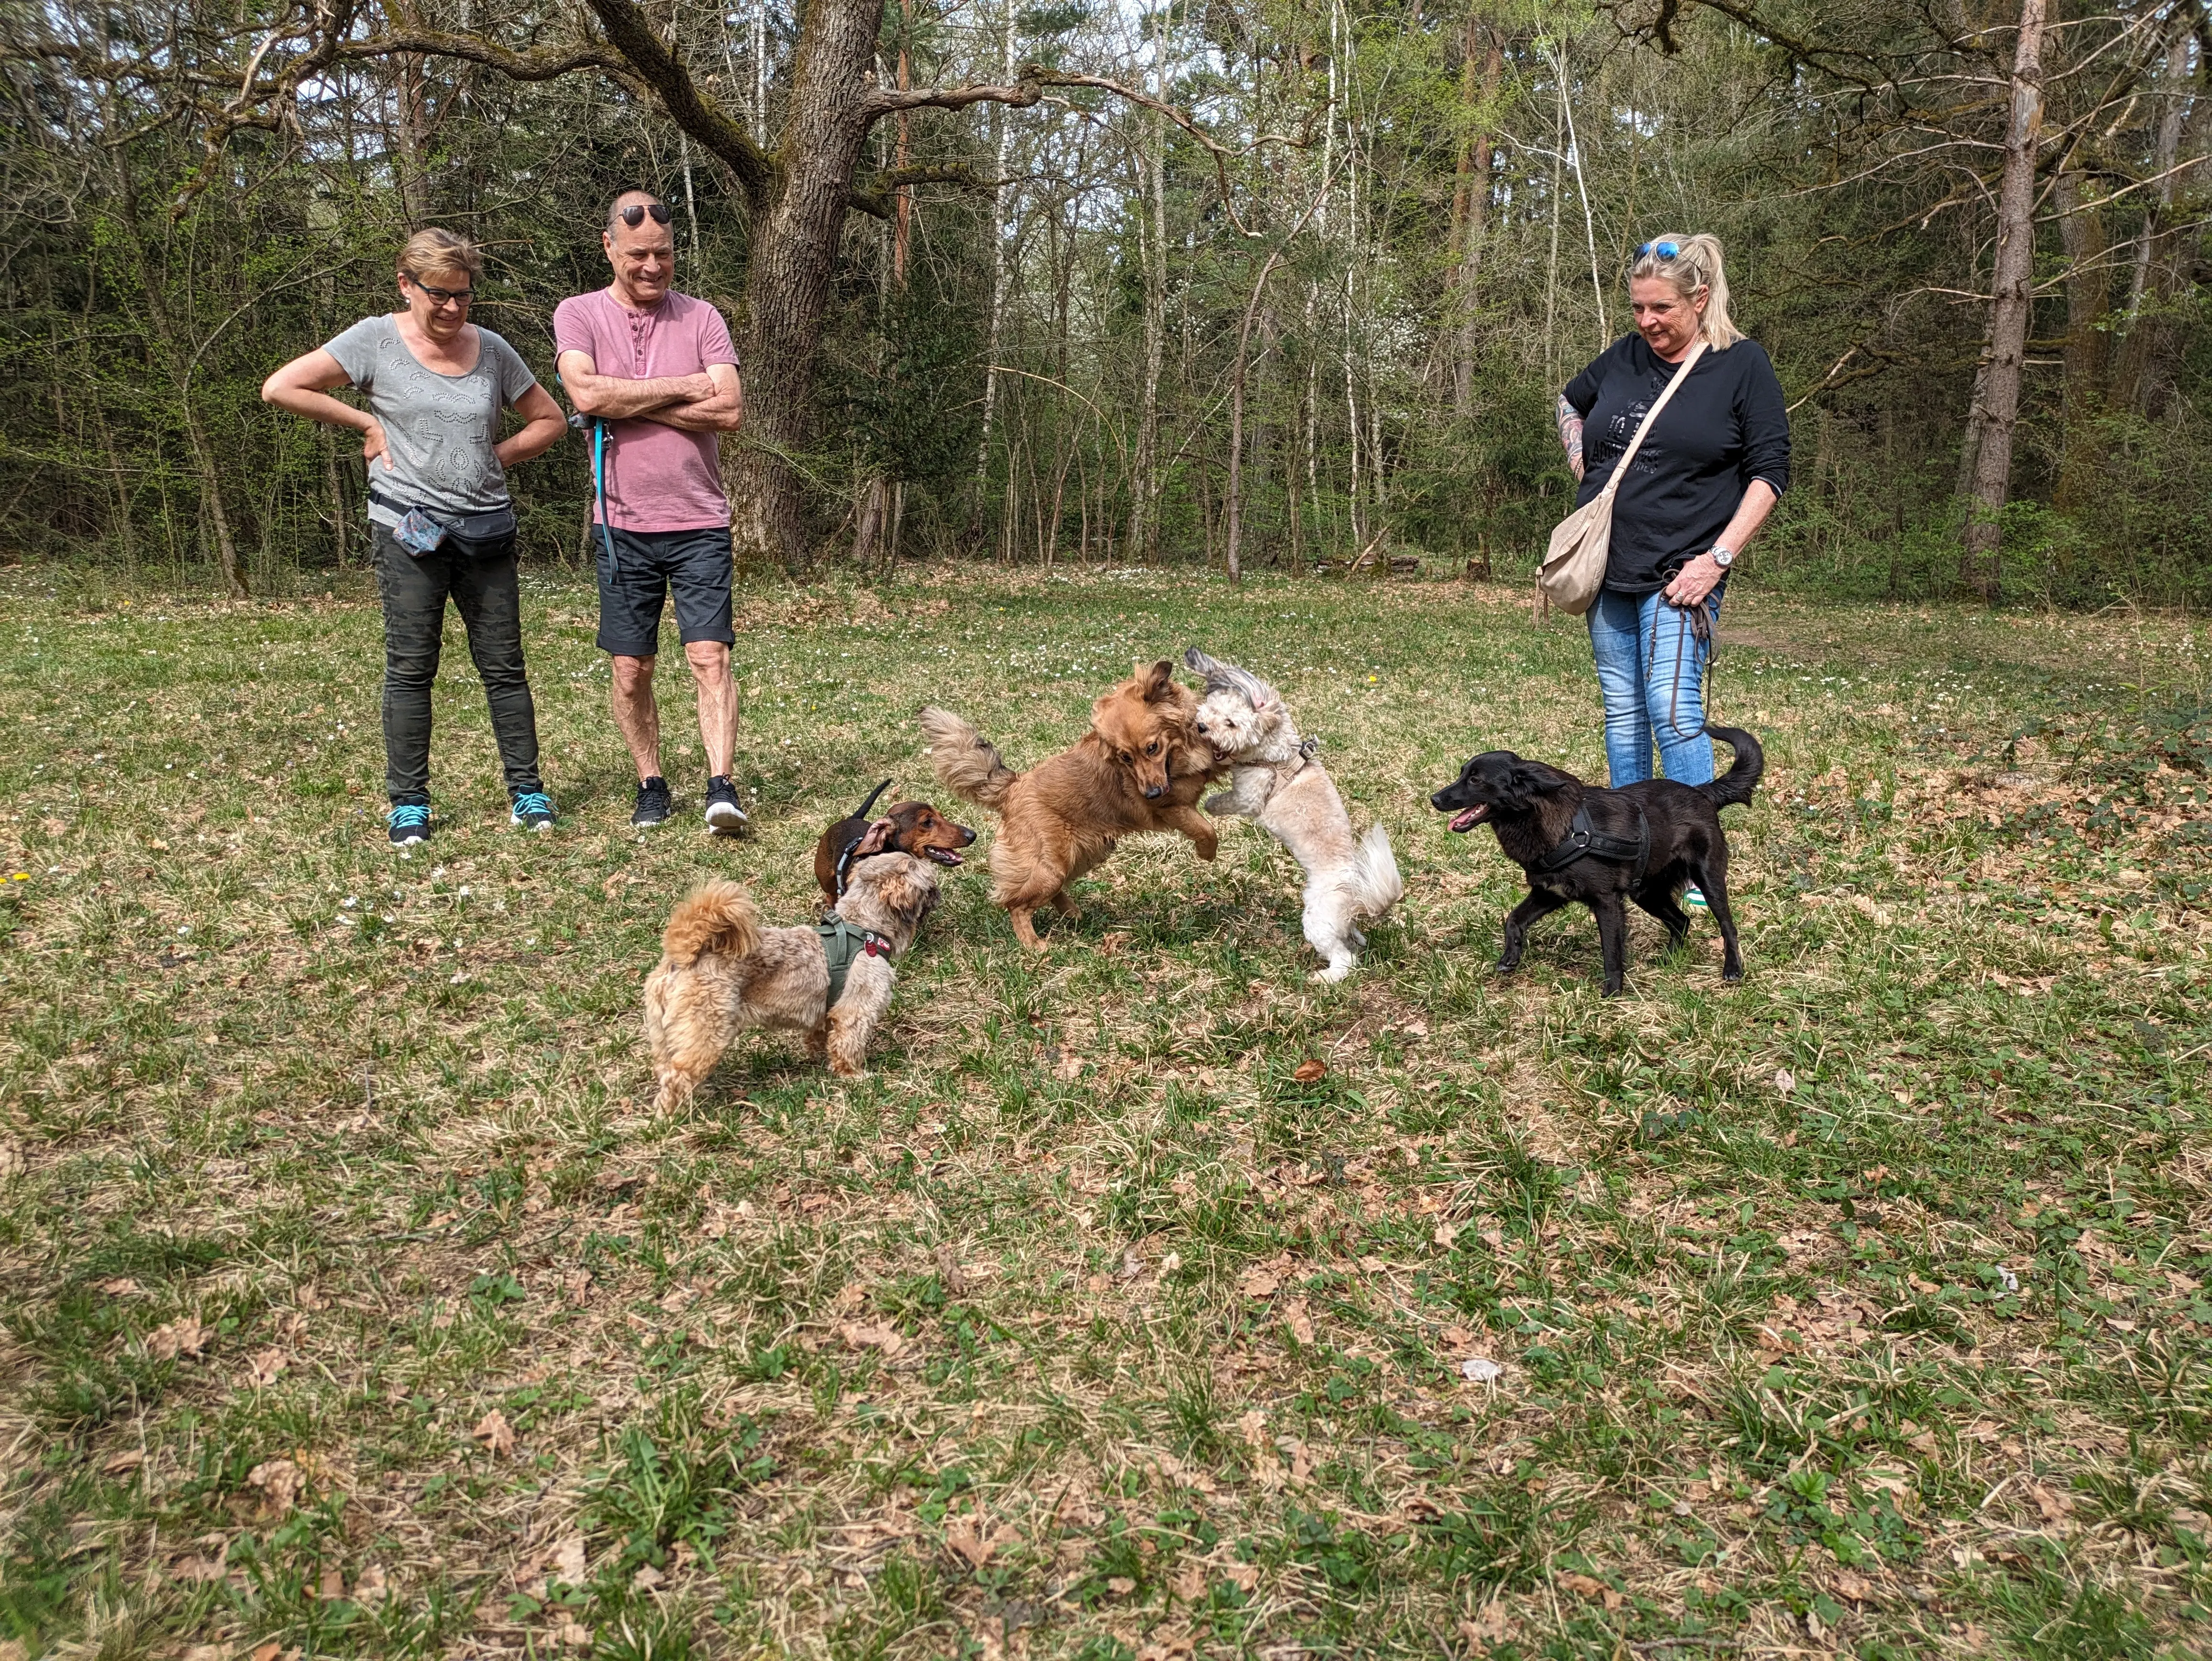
(1286, 284)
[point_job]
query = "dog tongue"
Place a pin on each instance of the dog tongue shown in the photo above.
(1467, 820)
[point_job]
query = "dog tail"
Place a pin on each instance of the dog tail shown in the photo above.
(861, 811)
(717, 919)
(967, 763)
(1733, 788)
(1376, 884)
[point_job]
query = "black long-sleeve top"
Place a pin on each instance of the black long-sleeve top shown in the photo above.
(1724, 429)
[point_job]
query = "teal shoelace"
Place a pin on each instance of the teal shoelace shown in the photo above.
(410, 816)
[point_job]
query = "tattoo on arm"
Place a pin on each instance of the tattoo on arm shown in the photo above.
(1571, 435)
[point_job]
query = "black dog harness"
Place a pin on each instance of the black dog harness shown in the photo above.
(1585, 840)
(845, 862)
(842, 942)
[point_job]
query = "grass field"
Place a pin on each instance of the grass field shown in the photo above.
(355, 1304)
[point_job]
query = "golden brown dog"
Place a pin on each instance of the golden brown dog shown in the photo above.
(1141, 767)
(721, 972)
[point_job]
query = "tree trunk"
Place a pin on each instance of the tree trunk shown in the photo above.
(1471, 208)
(2011, 302)
(2088, 307)
(793, 257)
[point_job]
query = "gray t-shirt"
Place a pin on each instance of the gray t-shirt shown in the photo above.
(439, 427)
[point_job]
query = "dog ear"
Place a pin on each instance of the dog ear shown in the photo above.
(877, 839)
(1155, 681)
(1528, 780)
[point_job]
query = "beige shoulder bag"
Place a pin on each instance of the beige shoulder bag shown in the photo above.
(1574, 568)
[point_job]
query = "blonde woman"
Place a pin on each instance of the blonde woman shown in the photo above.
(1709, 473)
(440, 520)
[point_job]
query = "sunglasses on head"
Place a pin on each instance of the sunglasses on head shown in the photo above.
(441, 296)
(1664, 250)
(633, 215)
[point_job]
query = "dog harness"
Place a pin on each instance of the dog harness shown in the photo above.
(842, 942)
(1585, 840)
(845, 860)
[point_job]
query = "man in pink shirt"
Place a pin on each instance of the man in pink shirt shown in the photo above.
(658, 369)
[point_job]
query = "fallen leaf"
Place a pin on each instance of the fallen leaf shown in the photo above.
(572, 1633)
(279, 1481)
(1190, 1584)
(197, 1570)
(268, 1651)
(119, 1289)
(371, 1588)
(1120, 1585)
(646, 1578)
(266, 1368)
(569, 1561)
(1242, 1576)
(332, 1585)
(1300, 1324)
(1785, 1080)
(1480, 1370)
(179, 1337)
(1258, 1283)
(495, 1433)
(1490, 1625)
(1445, 1233)
(116, 1464)
(2054, 1506)
(1308, 1071)
(884, 1337)
(975, 1540)
(1853, 1586)
(1584, 1585)
(949, 1273)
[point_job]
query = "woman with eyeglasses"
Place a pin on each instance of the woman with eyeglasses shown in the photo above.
(440, 520)
(1708, 474)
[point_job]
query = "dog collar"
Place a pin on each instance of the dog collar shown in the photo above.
(842, 942)
(1585, 840)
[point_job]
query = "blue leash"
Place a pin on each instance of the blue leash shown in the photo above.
(580, 422)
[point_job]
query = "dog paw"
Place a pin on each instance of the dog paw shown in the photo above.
(1334, 973)
(1732, 976)
(1506, 965)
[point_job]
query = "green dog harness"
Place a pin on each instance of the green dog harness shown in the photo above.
(842, 942)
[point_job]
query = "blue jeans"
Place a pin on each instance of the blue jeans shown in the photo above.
(1652, 694)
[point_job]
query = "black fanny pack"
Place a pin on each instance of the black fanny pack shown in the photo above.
(420, 530)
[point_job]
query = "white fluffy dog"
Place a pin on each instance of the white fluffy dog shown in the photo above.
(1277, 783)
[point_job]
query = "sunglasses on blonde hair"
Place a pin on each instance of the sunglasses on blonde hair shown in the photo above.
(1664, 250)
(633, 215)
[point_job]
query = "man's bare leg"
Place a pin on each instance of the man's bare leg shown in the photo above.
(637, 714)
(718, 702)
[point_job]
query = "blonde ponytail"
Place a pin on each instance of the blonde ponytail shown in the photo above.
(1696, 263)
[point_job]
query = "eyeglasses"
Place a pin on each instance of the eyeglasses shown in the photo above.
(1664, 250)
(441, 296)
(633, 215)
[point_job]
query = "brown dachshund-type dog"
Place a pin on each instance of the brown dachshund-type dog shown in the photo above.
(916, 828)
(1142, 766)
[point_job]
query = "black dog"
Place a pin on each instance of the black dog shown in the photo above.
(1578, 843)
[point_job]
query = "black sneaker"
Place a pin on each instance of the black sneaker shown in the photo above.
(533, 811)
(654, 804)
(410, 822)
(723, 816)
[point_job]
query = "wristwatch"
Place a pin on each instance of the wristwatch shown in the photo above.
(1723, 556)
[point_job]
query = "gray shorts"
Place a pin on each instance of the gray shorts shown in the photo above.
(649, 566)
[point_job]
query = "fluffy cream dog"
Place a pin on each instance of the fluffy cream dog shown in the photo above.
(721, 972)
(1276, 783)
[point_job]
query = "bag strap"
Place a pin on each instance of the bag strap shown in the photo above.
(1620, 468)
